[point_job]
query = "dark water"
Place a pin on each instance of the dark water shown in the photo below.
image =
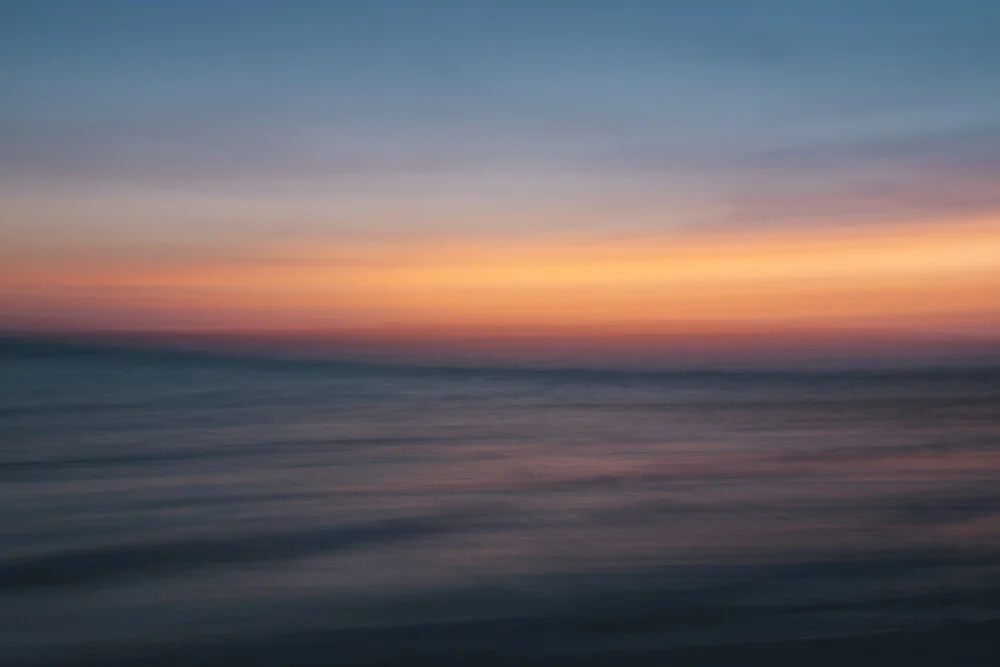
(177, 509)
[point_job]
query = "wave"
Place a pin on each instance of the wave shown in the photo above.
(97, 565)
(162, 352)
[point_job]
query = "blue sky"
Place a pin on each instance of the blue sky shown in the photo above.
(716, 107)
(207, 132)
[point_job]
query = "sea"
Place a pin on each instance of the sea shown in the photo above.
(176, 508)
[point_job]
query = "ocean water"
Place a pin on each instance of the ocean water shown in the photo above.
(180, 509)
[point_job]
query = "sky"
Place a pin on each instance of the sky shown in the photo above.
(653, 179)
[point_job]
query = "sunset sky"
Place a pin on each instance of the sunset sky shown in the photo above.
(548, 179)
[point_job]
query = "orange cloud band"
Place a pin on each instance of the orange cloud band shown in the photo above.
(926, 276)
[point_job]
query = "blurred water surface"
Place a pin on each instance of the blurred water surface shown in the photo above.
(167, 503)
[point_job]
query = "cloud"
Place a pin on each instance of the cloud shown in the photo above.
(178, 151)
(894, 177)
(954, 147)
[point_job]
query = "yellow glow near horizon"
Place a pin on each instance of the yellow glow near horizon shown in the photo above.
(928, 274)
